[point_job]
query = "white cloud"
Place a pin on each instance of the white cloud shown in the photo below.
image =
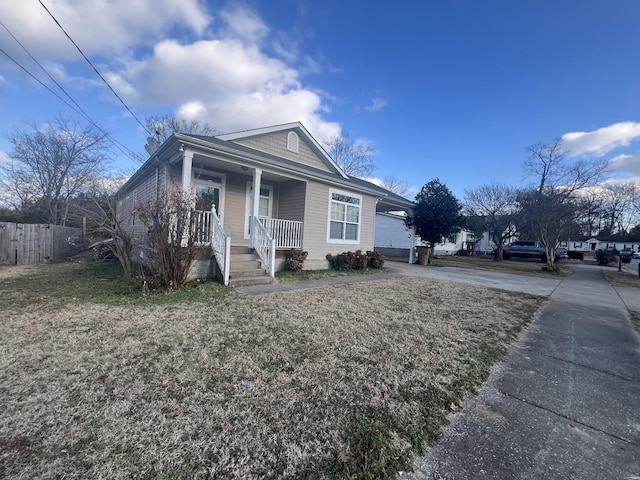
(376, 105)
(603, 140)
(625, 164)
(191, 111)
(244, 24)
(176, 56)
(98, 27)
(4, 157)
(225, 82)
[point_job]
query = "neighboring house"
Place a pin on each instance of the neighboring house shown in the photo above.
(304, 200)
(392, 237)
(593, 244)
(462, 240)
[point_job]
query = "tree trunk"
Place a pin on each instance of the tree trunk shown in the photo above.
(497, 255)
(552, 265)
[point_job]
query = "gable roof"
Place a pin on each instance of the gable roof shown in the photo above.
(224, 143)
(298, 128)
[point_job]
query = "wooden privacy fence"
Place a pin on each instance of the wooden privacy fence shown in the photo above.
(25, 243)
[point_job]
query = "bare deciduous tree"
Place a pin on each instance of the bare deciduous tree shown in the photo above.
(52, 164)
(165, 126)
(172, 237)
(617, 205)
(354, 158)
(494, 207)
(397, 186)
(551, 209)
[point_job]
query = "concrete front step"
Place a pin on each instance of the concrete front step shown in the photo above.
(243, 257)
(244, 264)
(249, 281)
(254, 272)
(246, 270)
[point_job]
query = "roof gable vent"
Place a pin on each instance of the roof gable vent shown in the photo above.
(292, 142)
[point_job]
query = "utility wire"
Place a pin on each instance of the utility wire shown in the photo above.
(123, 148)
(95, 69)
(85, 114)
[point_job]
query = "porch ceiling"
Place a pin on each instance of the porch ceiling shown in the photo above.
(209, 164)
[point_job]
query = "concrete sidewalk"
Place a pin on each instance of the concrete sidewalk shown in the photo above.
(565, 404)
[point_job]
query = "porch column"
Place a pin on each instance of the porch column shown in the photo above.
(187, 162)
(255, 207)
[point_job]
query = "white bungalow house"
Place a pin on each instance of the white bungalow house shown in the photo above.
(303, 201)
(593, 244)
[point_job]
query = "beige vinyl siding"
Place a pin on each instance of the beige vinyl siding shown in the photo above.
(276, 144)
(234, 207)
(139, 198)
(316, 225)
(291, 200)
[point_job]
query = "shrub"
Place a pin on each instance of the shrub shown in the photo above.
(294, 259)
(342, 261)
(376, 259)
(355, 260)
(604, 256)
(360, 260)
(573, 255)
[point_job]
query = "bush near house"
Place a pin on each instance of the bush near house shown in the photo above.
(356, 260)
(605, 256)
(575, 255)
(294, 259)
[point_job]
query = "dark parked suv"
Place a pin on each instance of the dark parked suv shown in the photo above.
(530, 249)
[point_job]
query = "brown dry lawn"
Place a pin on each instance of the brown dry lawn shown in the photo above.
(348, 382)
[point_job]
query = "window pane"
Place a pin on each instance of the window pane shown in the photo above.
(351, 232)
(352, 214)
(336, 230)
(263, 208)
(337, 211)
(207, 197)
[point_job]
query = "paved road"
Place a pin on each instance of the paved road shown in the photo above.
(566, 402)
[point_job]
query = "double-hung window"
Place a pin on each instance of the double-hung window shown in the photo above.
(344, 217)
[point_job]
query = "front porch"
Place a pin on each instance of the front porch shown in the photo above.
(267, 236)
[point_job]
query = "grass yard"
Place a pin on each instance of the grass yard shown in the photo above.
(523, 266)
(348, 382)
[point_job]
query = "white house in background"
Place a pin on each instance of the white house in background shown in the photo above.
(394, 239)
(593, 244)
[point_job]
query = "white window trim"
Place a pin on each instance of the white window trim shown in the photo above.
(339, 240)
(222, 184)
(248, 206)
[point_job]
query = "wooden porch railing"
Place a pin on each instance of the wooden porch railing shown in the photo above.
(209, 231)
(264, 245)
(286, 233)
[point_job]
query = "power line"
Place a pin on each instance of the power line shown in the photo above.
(120, 146)
(95, 69)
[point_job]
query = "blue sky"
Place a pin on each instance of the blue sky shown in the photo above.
(455, 90)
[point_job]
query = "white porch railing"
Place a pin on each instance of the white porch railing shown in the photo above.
(209, 231)
(264, 245)
(286, 233)
(203, 230)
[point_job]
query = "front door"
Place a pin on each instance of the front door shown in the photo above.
(208, 198)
